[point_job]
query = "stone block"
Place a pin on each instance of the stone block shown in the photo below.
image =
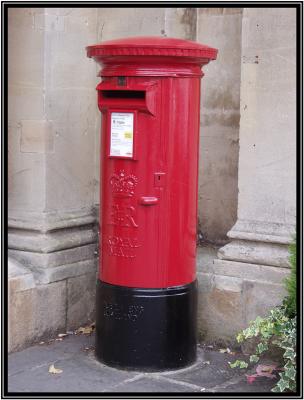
(273, 254)
(25, 44)
(21, 318)
(81, 300)
(61, 272)
(25, 103)
(51, 220)
(34, 311)
(48, 23)
(21, 303)
(20, 278)
(180, 23)
(65, 47)
(220, 115)
(37, 136)
(259, 297)
(129, 21)
(61, 257)
(50, 309)
(267, 162)
(205, 256)
(220, 307)
(262, 231)
(35, 241)
(249, 271)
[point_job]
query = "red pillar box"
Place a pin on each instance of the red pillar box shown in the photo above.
(149, 97)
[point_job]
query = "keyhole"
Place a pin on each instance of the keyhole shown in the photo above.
(158, 177)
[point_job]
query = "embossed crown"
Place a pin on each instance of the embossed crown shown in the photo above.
(123, 185)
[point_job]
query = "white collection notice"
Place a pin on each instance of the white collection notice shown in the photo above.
(122, 127)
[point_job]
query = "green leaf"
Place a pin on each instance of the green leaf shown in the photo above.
(261, 347)
(254, 358)
(283, 384)
(290, 373)
(240, 337)
(290, 354)
(239, 364)
(289, 364)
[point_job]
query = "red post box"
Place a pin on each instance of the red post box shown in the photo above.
(149, 97)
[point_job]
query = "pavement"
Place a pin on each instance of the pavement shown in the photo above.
(28, 371)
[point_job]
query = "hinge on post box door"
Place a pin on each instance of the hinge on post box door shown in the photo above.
(159, 179)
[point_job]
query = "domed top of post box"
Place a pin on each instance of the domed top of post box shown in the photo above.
(151, 55)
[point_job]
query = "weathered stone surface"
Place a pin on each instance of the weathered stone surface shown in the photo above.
(28, 371)
(36, 136)
(266, 178)
(61, 257)
(259, 297)
(57, 185)
(81, 292)
(232, 293)
(248, 271)
(51, 220)
(35, 241)
(29, 73)
(21, 318)
(262, 231)
(61, 272)
(256, 253)
(205, 256)
(34, 311)
(220, 115)
(50, 309)
(180, 22)
(20, 278)
(220, 307)
(21, 299)
(268, 117)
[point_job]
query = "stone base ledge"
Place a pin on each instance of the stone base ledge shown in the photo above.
(35, 260)
(262, 231)
(231, 294)
(257, 272)
(40, 308)
(73, 242)
(20, 278)
(40, 242)
(51, 220)
(273, 254)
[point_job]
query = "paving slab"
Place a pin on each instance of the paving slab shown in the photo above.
(261, 385)
(28, 371)
(153, 384)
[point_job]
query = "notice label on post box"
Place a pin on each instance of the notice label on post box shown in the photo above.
(122, 131)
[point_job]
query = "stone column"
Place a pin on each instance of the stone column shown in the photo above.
(220, 116)
(52, 123)
(246, 280)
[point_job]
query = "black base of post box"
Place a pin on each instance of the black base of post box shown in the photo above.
(146, 329)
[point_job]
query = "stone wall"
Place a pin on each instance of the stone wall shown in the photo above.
(220, 115)
(247, 278)
(54, 130)
(52, 125)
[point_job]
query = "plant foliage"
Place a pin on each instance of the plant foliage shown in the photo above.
(291, 283)
(278, 329)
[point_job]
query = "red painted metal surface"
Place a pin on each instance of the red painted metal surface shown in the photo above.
(149, 194)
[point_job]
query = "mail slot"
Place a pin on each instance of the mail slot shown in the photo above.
(149, 97)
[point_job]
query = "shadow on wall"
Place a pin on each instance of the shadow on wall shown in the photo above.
(220, 116)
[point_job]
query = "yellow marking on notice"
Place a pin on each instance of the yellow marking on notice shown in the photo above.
(128, 135)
